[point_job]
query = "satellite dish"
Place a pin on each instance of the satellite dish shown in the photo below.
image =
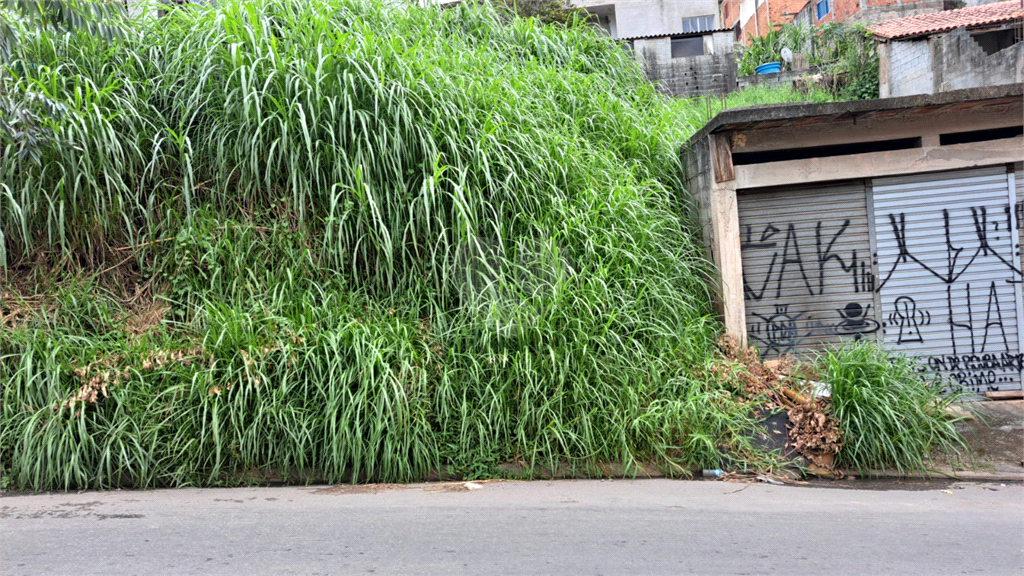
(787, 55)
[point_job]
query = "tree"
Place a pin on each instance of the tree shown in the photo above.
(546, 11)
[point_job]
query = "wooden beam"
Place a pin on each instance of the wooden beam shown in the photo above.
(1005, 395)
(721, 157)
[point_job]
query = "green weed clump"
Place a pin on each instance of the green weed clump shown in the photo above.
(692, 114)
(353, 241)
(890, 416)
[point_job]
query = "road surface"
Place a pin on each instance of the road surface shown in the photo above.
(562, 527)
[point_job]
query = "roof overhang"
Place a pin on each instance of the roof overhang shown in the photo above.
(803, 114)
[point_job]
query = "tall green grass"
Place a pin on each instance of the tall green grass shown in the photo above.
(891, 417)
(392, 240)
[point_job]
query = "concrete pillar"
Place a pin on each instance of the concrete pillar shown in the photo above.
(725, 229)
(883, 69)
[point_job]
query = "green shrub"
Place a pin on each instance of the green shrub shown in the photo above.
(846, 54)
(889, 414)
(392, 239)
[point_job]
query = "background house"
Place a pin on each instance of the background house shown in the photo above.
(695, 64)
(643, 18)
(681, 43)
(757, 17)
(974, 46)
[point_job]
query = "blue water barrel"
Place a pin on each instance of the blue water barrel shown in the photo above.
(769, 68)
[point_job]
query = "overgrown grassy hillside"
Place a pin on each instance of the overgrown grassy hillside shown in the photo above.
(352, 241)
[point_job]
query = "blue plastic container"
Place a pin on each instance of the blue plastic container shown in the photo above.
(769, 68)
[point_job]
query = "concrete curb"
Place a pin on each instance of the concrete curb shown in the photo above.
(941, 475)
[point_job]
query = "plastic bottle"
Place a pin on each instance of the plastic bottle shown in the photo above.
(712, 473)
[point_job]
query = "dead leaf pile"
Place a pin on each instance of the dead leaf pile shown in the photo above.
(111, 370)
(785, 384)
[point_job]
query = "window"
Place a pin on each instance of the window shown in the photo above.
(823, 8)
(683, 47)
(992, 42)
(698, 24)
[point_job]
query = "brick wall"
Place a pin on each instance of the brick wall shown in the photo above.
(867, 11)
(875, 11)
(774, 13)
(729, 10)
(910, 68)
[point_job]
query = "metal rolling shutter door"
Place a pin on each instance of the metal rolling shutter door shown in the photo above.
(949, 275)
(807, 276)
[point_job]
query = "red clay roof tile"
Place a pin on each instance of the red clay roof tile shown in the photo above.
(950, 20)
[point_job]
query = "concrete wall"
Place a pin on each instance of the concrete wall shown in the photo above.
(942, 63)
(707, 176)
(632, 18)
(961, 63)
(689, 76)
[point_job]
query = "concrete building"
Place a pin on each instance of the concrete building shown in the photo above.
(697, 64)
(895, 220)
(931, 53)
(679, 42)
(643, 18)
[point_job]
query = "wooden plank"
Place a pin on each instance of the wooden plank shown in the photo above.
(1005, 395)
(721, 157)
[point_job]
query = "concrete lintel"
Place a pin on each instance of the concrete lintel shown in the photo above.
(876, 164)
(906, 124)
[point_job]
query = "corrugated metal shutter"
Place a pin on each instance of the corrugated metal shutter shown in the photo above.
(949, 275)
(807, 277)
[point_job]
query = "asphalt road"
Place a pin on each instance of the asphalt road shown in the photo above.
(564, 527)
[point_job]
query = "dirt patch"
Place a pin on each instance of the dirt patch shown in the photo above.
(145, 318)
(994, 434)
(339, 489)
(431, 487)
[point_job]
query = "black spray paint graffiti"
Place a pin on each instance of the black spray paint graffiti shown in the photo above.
(782, 332)
(978, 371)
(779, 332)
(909, 319)
(977, 339)
(811, 262)
(788, 259)
(799, 264)
(953, 254)
(856, 321)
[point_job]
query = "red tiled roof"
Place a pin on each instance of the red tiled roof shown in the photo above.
(950, 20)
